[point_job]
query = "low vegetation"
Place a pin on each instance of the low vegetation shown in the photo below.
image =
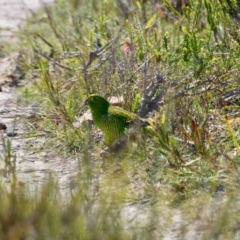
(175, 63)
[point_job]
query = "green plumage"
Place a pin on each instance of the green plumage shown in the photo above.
(111, 120)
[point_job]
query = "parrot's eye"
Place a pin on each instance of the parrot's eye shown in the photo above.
(93, 98)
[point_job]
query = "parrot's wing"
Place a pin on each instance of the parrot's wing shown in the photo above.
(122, 114)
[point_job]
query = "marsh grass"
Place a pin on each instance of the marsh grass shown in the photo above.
(177, 65)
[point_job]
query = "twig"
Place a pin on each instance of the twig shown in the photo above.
(51, 60)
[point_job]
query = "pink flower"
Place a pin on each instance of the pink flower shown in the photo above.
(128, 49)
(162, 10)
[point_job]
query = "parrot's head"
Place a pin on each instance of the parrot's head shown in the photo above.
(97, 103)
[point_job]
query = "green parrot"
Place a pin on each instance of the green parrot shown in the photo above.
(112, 120)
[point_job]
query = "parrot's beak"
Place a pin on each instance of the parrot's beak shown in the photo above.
(86, 101)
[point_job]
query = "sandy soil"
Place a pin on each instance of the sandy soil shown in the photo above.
(12, 14)
(32, 166)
